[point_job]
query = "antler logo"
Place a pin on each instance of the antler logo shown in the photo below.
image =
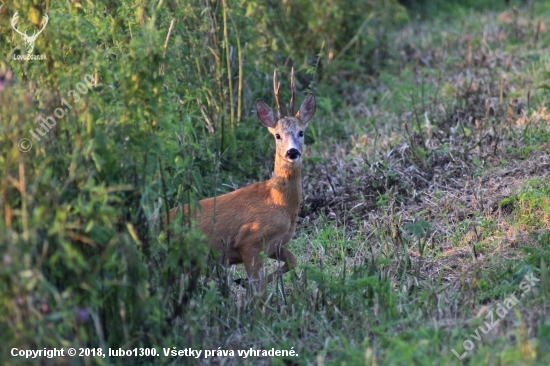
(29, 40)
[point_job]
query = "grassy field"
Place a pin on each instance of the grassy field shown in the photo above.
(424, 233)
(426, 203)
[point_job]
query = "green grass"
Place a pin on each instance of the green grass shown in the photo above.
(531, 204)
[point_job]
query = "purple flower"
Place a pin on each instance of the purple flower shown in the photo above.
(5, 78)
(83, 315)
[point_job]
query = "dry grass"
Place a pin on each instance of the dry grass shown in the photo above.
(450, 159)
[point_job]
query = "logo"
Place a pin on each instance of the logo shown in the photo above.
(28, 40)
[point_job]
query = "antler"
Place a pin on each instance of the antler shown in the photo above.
(13, 25)
(25, 35)
(44, 26)
(276, 86)
(291, 107)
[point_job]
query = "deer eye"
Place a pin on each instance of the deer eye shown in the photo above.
(301, 134)
(277, 136)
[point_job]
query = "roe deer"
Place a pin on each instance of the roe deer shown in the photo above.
(261, 217)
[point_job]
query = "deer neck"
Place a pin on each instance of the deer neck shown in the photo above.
(286, 184)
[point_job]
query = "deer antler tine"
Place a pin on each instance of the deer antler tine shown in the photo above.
(14, 21)
(45, 23)
(291, 107)
(276, 87)
(14, 24)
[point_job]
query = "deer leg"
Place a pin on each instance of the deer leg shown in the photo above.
(256, 277)
(283, 255)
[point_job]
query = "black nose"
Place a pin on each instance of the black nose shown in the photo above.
(293, 154)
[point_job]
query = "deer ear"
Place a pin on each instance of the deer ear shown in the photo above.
(265, 114)
(307, 109)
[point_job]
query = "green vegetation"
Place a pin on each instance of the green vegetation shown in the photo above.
(426, 180)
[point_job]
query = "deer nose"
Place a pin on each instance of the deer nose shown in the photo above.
(293, 154)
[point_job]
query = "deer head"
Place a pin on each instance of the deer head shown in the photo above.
(29, 40)
(288, 130)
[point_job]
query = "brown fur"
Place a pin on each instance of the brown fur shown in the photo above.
(260, 217)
